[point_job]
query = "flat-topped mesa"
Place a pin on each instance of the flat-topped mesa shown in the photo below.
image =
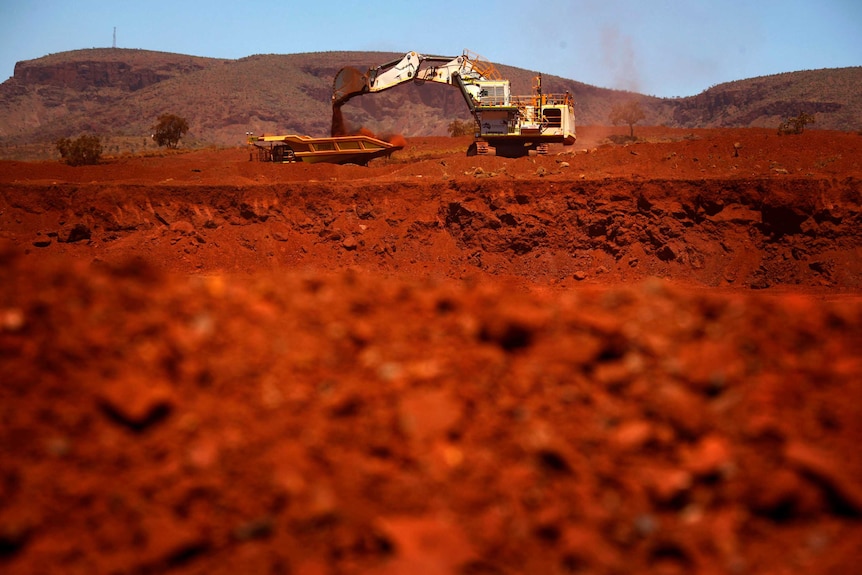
(129, 70)
(81, 75)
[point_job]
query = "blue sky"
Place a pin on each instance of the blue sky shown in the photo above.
(657, 47)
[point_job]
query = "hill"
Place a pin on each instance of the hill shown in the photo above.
(119, 93)
(832, 95)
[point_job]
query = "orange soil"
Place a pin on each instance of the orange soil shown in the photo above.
(610, 359)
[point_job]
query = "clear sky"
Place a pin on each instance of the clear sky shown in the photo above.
(657, 47)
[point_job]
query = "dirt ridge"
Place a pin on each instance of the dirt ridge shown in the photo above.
(750, 232)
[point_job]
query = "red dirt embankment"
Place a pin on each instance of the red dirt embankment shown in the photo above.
(626, 359)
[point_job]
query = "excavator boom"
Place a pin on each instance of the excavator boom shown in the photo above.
(350, 82)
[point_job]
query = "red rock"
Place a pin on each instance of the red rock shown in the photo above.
(137, 403)
(632, 435)
(827, 471)
(426, 415)
(666, 484)
(686, 411)
(710, 456)
(426, 545)
(167, 538)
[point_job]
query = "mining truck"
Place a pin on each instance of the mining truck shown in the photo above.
(506, 125)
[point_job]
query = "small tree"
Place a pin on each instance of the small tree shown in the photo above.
(84, 150)
(460, 128)
(627, 113)
(169, 129)
(795, 125)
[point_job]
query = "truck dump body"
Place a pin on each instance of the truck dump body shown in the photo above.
(358, 149)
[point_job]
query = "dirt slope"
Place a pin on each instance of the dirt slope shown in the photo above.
(746, 208)
(622, 359)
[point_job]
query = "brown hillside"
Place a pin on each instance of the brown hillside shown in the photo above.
(119, 93)
(831, 95)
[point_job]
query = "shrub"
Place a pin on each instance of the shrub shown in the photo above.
(85, 150)
(461, 128)
(795, 125)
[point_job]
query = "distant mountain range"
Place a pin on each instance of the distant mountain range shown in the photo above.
(118, 94)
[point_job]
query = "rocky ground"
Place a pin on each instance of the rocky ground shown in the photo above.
(634, 358)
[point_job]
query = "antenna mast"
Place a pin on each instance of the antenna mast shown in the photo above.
(115, 37)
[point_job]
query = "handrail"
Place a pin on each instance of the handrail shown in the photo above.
(534, 101)
(485, 68)
(546, 100)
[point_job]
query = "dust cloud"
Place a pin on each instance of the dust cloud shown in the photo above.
(618, 55)
(339, 128)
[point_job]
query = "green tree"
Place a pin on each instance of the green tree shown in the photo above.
(795, 125)
(629, 113)
(169, 129)
(84, 150)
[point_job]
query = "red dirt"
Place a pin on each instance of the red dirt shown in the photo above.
(629, 359)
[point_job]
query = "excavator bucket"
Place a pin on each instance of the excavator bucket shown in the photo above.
(348, 82)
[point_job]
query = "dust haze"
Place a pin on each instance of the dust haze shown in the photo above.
(618, 55)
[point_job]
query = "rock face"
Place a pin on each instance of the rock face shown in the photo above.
(87, 91)
(83, 75)
(711, 107)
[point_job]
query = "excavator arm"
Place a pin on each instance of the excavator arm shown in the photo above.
(459, 71)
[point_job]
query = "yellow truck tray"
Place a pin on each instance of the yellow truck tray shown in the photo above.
(358, 149)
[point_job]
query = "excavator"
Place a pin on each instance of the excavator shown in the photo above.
(506, 125)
